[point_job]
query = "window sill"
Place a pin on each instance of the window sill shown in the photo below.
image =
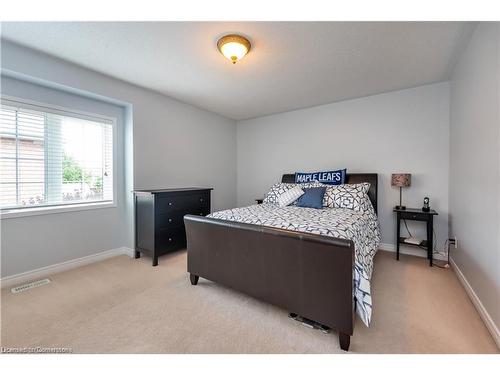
(15, 213)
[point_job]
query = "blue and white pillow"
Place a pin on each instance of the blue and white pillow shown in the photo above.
(337, 177)
(354, 197)
(281, 187)
(290, 196)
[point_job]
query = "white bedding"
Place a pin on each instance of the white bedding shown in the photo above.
(360, 227)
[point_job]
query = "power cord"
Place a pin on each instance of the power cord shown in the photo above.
(434, 247)
(446, 251)
(447, 265)
(406, 225)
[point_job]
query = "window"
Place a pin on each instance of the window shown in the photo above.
(50, 157)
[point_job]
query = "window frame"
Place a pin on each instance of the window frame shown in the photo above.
(10, 213)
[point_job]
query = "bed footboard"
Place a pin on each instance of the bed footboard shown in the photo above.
(307, 274)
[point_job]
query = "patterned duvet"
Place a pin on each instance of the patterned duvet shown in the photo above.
(360, 227)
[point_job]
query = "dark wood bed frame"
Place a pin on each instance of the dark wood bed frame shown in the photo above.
(307, 274)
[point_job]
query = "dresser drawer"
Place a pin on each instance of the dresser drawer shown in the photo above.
(414, 216)
(187, 203)
(174, 219)
(170, 220)
(169, 239)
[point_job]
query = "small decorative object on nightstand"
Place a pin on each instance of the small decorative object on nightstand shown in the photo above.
(400, 180)
(426, 207)
(418, 215)
(259, 200)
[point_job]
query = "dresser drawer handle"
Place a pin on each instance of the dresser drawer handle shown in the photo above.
(169, 203)
(169, 240)
(169, 220)
(201, 213)
(414, 216)
(201, 199)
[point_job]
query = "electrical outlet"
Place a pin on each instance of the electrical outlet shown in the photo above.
(453, 241)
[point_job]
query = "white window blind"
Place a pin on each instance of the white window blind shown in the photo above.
(53, 157)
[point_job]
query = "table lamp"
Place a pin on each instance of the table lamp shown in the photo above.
(401, 180)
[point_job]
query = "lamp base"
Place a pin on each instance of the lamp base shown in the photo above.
(400, 207)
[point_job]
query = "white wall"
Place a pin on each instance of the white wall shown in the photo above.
(174, 144)
(402, 131)
(475, 165)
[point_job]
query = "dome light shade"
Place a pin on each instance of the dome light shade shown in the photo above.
(233, 47)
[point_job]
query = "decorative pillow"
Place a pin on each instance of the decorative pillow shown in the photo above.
(290, 196)
(276, 190)
(281, 187)
(347, 196)
(329, 178)
(313, 197)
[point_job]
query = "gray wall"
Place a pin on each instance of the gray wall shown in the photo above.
(402, 131)
(174, 144)
(475, 166)
(34, 241)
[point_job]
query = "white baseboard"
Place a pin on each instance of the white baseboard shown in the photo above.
(9, 281)
(483, 313)
(408, 251)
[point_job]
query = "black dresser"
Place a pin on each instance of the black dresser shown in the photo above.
(159, 218)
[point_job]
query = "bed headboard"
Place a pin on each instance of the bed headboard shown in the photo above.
(352, 178)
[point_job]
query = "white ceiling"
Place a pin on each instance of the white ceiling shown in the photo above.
(291, 65)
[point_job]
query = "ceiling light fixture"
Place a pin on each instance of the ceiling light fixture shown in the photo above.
(233, 47)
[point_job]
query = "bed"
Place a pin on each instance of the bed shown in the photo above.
(314, 263)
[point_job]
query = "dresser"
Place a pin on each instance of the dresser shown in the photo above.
(159, 218)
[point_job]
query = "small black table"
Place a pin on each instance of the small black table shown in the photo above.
(418, 215)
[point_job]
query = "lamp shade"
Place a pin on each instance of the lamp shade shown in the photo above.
(401, 179)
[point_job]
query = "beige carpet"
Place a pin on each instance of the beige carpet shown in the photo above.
(123, 305)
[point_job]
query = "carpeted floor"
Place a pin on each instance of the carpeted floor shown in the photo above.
(123, 305)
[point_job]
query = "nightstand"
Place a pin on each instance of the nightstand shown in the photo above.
(416, 214)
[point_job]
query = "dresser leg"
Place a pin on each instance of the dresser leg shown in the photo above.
(155, 261)
(193, 279)
(344, 341)
(137, 254)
